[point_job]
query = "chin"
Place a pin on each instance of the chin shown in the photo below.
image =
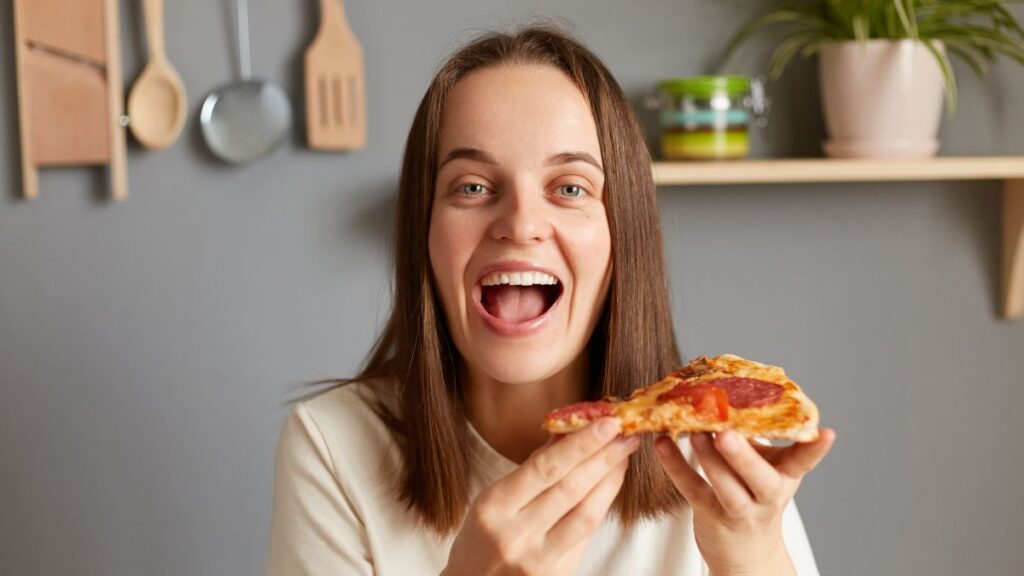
(531, 364)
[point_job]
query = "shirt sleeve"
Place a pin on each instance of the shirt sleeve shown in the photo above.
(797, 544)
(314, 527)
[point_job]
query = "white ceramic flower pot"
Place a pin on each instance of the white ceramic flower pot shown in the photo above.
(882, 99)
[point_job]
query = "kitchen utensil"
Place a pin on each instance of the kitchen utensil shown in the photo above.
(335, 84)
(70, 95)
(157, 102)
(249, 118)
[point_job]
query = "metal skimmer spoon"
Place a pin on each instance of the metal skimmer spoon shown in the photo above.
(247, 119)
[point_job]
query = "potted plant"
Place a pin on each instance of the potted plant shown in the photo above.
(883, 63)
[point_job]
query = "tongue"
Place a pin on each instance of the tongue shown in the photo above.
(515, 304)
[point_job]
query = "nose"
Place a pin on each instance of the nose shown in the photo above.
(522, 215)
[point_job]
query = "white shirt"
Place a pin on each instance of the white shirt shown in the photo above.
(335, 511)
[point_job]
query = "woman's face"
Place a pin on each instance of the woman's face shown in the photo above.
(519, 240)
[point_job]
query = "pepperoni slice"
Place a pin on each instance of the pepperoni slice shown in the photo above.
(749, 392)
(585, 410)
(708, 400)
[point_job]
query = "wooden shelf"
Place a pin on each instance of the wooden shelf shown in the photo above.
(827, 170)
(1010, 170)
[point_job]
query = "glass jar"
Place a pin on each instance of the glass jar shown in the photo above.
(707, 117)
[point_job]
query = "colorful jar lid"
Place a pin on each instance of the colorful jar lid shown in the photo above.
(705, 86)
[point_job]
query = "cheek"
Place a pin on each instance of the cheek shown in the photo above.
(434, 249)
(440, 257)
(449, 247)
(590, 250)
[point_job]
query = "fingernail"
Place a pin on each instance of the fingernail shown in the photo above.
(608, 428)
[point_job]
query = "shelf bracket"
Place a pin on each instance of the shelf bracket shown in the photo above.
(1013, 248)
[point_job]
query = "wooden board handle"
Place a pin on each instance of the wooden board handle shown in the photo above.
(1013, 249)
(115, 99)
(29, 178)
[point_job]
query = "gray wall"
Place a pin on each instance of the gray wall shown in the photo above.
(146, 347)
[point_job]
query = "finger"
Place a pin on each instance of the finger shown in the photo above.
(683, 476)
(580, 523)
(767, 451)
(725, 483)
(560, 499)
(551, 440)
(799, 459)
(760, 477)
(549, 465)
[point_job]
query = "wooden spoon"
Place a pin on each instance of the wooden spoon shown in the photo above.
(157, 105)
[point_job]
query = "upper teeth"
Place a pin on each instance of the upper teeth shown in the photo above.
(518, 279)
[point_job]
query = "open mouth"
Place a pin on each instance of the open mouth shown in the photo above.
(518, 297)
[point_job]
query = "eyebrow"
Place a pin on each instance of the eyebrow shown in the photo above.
(555, 160)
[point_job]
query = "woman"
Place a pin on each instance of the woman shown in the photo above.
(528, 275)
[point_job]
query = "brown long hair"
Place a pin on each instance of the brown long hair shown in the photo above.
(633, 343)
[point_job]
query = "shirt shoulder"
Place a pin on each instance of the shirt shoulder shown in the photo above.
(333, 486)
(357, 399)
(351, 421)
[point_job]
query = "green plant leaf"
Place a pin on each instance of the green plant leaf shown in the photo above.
(1006, 19)
(947, 76)
(994, 40)
(982, 42)
(971, 56)
(909, 25)
(789, 48)
(860, 28)
(770, 19)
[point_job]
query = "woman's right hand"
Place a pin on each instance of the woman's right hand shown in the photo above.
(539, 518)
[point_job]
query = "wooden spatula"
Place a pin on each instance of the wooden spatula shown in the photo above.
(335, 84)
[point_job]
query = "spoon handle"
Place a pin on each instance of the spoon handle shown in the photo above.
(153, 13)
(244, 58)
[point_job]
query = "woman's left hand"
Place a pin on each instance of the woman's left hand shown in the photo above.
(737, 519)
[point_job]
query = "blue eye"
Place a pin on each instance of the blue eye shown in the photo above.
(572, 190)
(473, 189)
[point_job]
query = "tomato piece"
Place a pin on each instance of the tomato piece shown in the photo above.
(707, 400)
(714, 403)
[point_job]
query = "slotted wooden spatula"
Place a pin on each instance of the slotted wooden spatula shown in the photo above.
(335, 84)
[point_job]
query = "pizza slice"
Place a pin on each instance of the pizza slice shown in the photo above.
(708, 395)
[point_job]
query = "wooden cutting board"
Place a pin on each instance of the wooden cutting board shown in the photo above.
(70, 94)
